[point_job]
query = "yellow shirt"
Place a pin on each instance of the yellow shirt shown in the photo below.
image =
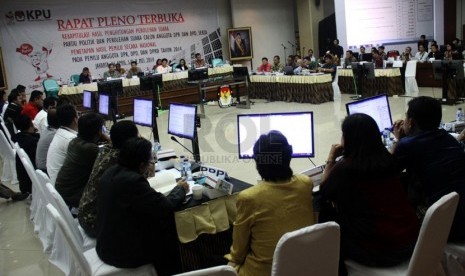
(264, 213)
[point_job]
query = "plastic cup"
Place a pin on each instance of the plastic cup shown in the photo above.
(197, 192)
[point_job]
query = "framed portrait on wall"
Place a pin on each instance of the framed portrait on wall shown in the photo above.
(240, 43)
(3, 84)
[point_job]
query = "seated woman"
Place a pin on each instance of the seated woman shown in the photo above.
(363, 193)
(281, 203)
(182, 65)
(164, 67)
(135, 224)
(432, 157)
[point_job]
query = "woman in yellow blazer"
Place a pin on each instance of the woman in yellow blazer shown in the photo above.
(281, 203)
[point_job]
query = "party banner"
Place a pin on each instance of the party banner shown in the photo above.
(55, 41)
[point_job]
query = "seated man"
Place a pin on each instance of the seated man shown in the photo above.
(40, 121)
(120, 69)
(67, 117)
(280, 203)
(310, 55)
(382, 53)
(134, 70)
(46, 138)
(433, 157)
(34, 105)
(377, 60)
(329, 66)
(111, 73)
(435, 53)
(349, 58)
(13, 110)
(27, 139)
(80, 158)
(85, 76)
(290, 61)
(107, 157)
(265, 66)
(135, 223)
(22, 94)
(421, 55)
(199, 61)
(298, 69)
(407, 54)
(277, 66)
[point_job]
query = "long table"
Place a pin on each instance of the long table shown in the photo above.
(313, 89)
(386, 81)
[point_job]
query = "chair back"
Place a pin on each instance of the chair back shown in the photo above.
(222, 270)
(70, 241)
(51, 87)
(75, 79)
(6, 150)
(43, 177)
(313, 250)
(393, 53)
(433, 236)
(65, 213)
(411, 69)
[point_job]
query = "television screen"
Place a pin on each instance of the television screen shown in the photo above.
(377, 107)
(299, 133)
(143, 112)
(104, 104)
(87, 99)
(182, 119)
(151, 82)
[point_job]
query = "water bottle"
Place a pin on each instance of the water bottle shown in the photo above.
(155, 149)
(386, 134)
(458, 115)
(187, 169)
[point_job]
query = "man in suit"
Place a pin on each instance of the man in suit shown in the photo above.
(13, 110)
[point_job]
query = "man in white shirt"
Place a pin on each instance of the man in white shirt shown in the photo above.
(40, 121)
(58, 149)
(421, 55)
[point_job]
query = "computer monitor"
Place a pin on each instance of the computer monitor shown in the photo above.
(87, 99)
(376, 107)
(369, 70)
(143, 112)
(111, 87)
(456, 67)
(299, 133)
(438, 69)
(182, 120)
(197, 74)
(240, 71)
(151, 82)
(104, 104)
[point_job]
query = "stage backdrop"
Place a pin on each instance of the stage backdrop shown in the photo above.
(57, 40)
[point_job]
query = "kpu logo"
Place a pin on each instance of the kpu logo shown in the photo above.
(27, 16)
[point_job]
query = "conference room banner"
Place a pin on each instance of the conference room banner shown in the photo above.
(57, 40)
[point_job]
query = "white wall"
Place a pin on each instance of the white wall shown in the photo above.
(272, 23)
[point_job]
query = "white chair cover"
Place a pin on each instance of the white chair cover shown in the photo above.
(37, 203)
(454, 259)
(312, 250)
(6, 132)
(426, 258)
(47, 229)
(8, 155)
(336, 90)
(88, 263)
(222, 270)
(411, 86)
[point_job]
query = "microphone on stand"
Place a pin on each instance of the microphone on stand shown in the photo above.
(291, 43)
(176, 140)
(283, 46)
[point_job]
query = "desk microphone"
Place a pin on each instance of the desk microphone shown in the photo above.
(176, 140)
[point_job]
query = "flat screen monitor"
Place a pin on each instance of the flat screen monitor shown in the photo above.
(104, 104)
(182, 120)
(240, 71)
(87, 99)
(369, 70)
(197, 74)
(376, 107)
(438, 69)
(457, 69)
(112, 87)
(299, 134)
(151, 82)
(143, 112)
